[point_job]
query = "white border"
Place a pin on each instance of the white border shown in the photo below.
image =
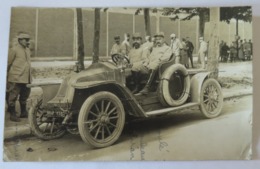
(5, 9)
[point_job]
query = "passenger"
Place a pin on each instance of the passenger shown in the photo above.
(137, 56)
(160, 53)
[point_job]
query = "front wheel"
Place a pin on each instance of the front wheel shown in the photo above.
(45, 124)
(101, 119)
(211, 99)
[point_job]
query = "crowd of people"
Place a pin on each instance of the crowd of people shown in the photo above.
(146, 57)
(238, 51)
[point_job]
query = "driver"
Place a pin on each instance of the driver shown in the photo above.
(160, 53)
(137, 56)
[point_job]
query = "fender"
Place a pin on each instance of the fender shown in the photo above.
(130, 104)
(196, 84)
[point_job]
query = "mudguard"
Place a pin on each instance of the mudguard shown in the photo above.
(196, 84)
(131, 105)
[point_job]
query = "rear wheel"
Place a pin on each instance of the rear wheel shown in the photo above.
(45, 124)
(211, 99)
(101, 119)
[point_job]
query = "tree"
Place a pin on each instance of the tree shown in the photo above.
(80, 38)
(237, 13)
(96, 36)
(147, 23)
(189, 13)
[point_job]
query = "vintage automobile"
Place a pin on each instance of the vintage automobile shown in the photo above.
(97, 101)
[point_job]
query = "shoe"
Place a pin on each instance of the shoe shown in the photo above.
(13, 116)
(24, 113)
(147, 87)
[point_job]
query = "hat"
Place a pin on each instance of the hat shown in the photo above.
(116, 37)
(23, 36)
(159, 34)
(172, 35)
(137, 35)
(201, 38)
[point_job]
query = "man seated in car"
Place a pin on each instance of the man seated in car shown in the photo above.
(160, 53)
(137, 55)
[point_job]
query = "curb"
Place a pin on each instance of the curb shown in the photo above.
(24, 131)
(239, 94)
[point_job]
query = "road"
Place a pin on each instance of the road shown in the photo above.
(180, 136)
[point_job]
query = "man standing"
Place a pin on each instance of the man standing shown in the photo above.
(137, 55)
(202, 52)
(148, 43)
(116, 48)
(18, 76)
(190, 49)
(176, 46)
(125, 46)
(160, 53)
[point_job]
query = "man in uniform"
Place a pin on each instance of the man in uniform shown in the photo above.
(160, 53)
(125, 46)
(202, 52)
(18, 76)
(190, 50)
(137, 56)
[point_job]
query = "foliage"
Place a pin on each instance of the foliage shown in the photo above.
(174, 13)
(238, 13)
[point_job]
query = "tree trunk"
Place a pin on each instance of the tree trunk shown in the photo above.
(237, 39)
(80, 38)
(213, 50)
(147, 22)
(96, 36)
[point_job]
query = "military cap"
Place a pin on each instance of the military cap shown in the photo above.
(159, 34)
(23, 36)
(201, 38)
(137, 35)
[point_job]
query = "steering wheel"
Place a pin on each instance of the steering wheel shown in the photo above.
(117, 57)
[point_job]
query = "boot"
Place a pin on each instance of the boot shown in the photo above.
(13, 116)
(147, 87)
(24, 113)
(136, 76)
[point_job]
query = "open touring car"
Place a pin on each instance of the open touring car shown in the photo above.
(97, 101)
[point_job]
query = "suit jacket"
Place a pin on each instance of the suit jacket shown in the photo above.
(19, 65)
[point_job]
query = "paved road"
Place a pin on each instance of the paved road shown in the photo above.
(180, 136)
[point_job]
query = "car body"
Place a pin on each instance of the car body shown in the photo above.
(97, 101)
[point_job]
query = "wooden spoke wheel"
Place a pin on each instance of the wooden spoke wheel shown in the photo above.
(45, 124)
(101, 119)
(211, 98)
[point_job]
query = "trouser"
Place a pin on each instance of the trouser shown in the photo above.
(202, 60)
(15, 90)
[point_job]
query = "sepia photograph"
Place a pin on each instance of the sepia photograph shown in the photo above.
(129, 84)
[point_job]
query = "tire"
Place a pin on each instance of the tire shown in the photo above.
(39, 123)
(169, 95)
(101, 119)
(211, 98)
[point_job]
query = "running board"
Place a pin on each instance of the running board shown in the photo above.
(170, 109)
